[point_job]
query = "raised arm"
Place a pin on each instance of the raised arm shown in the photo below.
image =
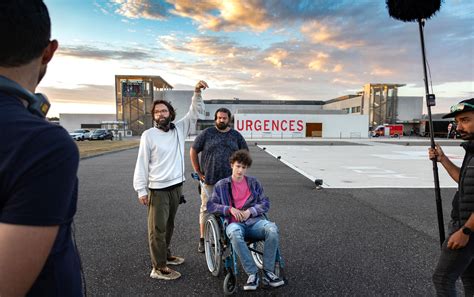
(197, 107)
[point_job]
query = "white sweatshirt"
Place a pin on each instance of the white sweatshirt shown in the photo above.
(160, 161)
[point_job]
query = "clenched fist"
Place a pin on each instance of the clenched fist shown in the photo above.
(201, 85)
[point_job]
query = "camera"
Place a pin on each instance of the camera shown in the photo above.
(181, 199)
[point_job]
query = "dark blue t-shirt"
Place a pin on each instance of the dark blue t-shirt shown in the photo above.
(38, 187)
(216, 148)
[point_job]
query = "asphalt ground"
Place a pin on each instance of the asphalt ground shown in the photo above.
(335, 242)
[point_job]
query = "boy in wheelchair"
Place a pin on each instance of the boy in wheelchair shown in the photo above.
(241, 200)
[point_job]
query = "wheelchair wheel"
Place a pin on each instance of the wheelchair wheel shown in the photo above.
(257, 253)
(230, 284)
(212, 246)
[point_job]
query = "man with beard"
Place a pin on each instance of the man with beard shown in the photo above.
(216, 145)
(38, 164)
(457, 250)
(159, 176)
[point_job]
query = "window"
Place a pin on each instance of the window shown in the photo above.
(355, 109)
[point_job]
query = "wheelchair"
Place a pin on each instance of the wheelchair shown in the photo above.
(220, 255)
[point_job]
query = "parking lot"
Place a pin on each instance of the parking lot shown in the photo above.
(338, 241)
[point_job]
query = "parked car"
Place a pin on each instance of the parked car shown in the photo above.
(101, 134)
(80, 134)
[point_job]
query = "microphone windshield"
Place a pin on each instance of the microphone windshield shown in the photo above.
(412, 10)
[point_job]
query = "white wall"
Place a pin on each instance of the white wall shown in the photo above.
(211, 108)
(409, 108)
(294, 125)
(342, 104)
(73, 121)
(181, 100)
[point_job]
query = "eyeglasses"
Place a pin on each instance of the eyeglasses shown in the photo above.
(460, 107)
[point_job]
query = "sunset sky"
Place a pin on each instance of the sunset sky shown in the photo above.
(267, 49)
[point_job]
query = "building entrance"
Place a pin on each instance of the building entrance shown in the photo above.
(314, 129)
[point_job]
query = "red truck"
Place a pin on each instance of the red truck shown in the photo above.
(392, 130)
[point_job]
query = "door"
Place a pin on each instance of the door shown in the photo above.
(314, 129)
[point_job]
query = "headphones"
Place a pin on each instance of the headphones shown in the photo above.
(38, 104)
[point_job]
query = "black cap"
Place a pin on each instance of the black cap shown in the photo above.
(460, 107)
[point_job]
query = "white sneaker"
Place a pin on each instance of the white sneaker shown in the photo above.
(174, 260)
(252, 282)
(270, 278)
(170, 274)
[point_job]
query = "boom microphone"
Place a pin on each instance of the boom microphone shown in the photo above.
(418, 11)
(412, 10)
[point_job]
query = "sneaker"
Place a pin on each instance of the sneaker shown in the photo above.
(270, 278)
(165, 274)
(174, 260)
(201, 245)
(252, 282)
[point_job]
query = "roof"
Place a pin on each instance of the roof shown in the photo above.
(158, 81)
(288, 111)
(342, 98)
(266, 102)
(379, 85)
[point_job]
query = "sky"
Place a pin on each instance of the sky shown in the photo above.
(254, 49)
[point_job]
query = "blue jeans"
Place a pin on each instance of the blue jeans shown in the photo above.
(452, 265)
(261, 230)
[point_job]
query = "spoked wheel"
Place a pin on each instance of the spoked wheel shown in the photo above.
(257, 253)
(230, 284)
(212, 246)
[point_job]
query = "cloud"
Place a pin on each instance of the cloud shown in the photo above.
(229, 15)
(318, 32)
(277, 57)
(317, 49)
(380, 71)
(86, 93)
(90, 52)
(146, 9)
(220, 48)
(318, 63)
(236, 15)
(102, 9)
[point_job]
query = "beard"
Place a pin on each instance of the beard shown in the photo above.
(222, 126)
(163, 123)
(467, 136)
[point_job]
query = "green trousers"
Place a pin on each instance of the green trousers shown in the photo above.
(161, 213)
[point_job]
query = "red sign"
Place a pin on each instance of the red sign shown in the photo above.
(270, 125)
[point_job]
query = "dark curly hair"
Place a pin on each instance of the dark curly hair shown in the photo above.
(241, 156)
(168, 104)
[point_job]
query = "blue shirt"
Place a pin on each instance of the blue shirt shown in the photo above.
(38, 187)
(216, 148)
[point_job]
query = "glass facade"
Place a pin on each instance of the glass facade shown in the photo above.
(134, 99)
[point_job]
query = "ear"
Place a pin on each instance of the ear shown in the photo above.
(49, 51)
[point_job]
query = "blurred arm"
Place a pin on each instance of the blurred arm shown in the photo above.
(23, 252)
